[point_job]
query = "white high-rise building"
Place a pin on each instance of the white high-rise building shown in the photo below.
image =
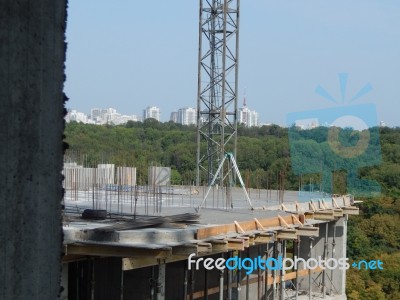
(74, 115)
(174, 117)
(247, 117)
(103, 116)
(122, 119)
(151, 112)
(187, 116)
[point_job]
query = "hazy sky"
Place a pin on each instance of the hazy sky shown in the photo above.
(131, 54)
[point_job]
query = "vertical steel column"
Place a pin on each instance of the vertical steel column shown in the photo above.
(297, 245)
(282, 286)
(325, 258)
(238, 280)
(199, 93)
(205, 284)
(161, 282)
(333, 256)
(192, 281)
(274, 255)
(229, 279)
(309, 271)
(247, 277)
(185, 281)
(259, 276)
(235, 121)
(223, 99)
(221, 285)
(122, 285)
(92, 279)
(266, 277)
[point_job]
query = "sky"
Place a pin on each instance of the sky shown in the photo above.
(132, 54)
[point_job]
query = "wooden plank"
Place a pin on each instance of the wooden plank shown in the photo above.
(282, 222)
(351, 210)
(239, 229)
(264, 238)
(292, 275)
(204, 248)
(130, 263)
(334, 203)
(296, 220)
(309, 215)
(324, 215)
(211, 231)
(287, 234)
(186, 250)
(118, 251)
(248, 239)
(173, 225)
(258, 225)
(307, 231)
(251, 240)
(312, 206)
(236, 244)
(338, 212)
(73, 257)
(219, 245)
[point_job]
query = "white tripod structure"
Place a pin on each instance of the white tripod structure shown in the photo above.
(231, 158)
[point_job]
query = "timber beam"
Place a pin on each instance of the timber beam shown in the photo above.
(287, 234)
(327, 215)
(219, 245)
(351, 210)
(243, 227)
(237, 244)
(198, 249)
(117, 251)
(264, 238)
(308, 231)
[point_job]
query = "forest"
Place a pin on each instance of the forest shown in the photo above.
(273, 157)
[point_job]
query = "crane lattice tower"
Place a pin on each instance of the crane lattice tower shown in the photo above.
(218, 65)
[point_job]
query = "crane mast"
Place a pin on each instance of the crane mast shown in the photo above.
(218, 65)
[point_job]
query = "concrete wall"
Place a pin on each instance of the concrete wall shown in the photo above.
(32, 55)
(335, 281)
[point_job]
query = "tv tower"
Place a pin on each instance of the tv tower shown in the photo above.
(218, 65)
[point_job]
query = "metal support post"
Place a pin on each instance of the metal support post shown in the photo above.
(161, 281)
(324, 281)
(221, 285)
(333, 256)
(309, 271)
(282, 286)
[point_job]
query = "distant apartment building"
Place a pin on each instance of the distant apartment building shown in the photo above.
(103, 116)
(74, 115)
(174, 117)
(151, 112)
(123, 119)
(187, 116)
(248, 117)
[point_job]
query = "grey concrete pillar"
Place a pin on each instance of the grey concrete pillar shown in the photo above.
(339, 276)
(32, 54)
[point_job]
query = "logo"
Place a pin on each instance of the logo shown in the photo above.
(280, 263)
(344, 137)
